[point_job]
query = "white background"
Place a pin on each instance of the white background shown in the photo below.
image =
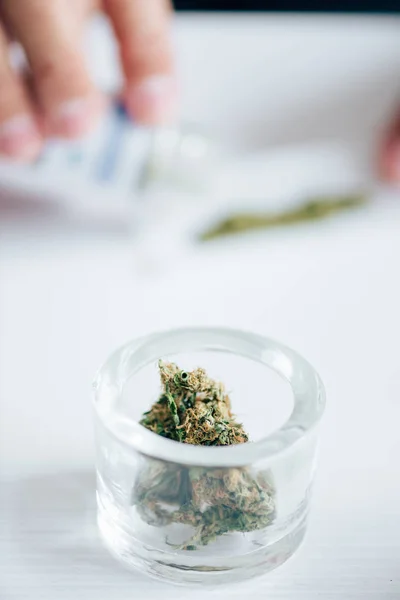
(332, 292)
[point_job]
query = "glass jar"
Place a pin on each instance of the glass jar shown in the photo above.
(251, 500)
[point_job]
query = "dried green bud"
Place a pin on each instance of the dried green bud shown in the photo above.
(195, 409)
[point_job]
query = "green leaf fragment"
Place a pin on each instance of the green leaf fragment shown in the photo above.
(315, 209)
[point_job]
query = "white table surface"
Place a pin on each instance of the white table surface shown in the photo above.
(331, 292)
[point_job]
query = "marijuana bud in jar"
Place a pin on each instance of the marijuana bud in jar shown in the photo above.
(195, 409)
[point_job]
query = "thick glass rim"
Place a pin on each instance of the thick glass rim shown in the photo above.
(307, 389)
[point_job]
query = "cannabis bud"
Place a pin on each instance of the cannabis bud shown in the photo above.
(195, 409)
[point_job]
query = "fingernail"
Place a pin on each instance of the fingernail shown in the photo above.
(20, 138)
(153, 101)
(74, 117)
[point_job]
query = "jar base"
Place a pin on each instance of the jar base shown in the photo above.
(183, 570)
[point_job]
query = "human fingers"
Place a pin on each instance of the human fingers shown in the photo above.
(20, 137)
(142, 29)
(50, 33)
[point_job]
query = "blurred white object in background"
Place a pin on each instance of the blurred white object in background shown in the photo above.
(103, 176)
(181, 158)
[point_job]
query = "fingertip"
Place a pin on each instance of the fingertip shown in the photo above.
(153, 100)
(20, 138)
(390, 153)
(74, 117)
(391, 163)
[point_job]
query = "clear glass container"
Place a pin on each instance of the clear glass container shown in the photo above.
(265, 482)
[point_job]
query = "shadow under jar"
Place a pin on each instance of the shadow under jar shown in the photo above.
(262, 486)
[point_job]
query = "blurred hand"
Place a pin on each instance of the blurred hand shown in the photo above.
(58, 98)
(390, 157)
